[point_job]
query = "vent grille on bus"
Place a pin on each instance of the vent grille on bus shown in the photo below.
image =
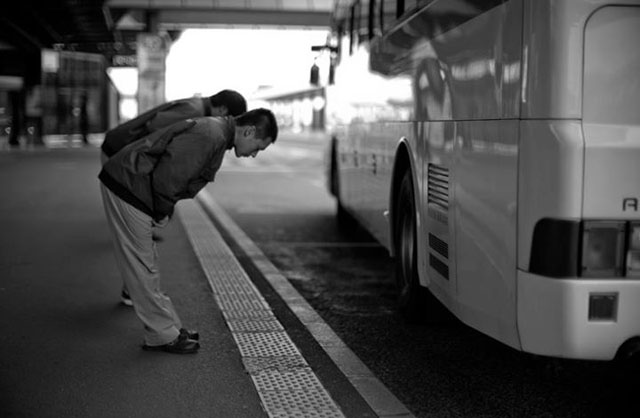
(440, 246)
(439, 266)
(438, 186)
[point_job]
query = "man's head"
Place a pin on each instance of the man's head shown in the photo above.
(227, 103)
(255, 131)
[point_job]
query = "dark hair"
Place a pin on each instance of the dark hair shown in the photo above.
(231, 99)
(263, 120)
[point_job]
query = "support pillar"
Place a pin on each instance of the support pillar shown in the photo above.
(152, 50)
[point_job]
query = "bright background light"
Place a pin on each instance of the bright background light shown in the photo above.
(205, 61)
(125, 79)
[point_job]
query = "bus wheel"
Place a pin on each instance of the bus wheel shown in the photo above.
(346, 222)
(407, 283)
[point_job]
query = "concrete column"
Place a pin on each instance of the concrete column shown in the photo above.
(152, 50)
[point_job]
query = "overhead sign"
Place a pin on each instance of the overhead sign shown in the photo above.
(151, 53)
(124, 61)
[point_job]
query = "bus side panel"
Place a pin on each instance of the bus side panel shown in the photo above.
(554, 39)
(478, 154)
(347, 163)
(437, 253)
(365, 161)
(611, 121)
(351, 178)
(486, 218)
(582, 170)
(376, 149)
(554, 317)
(550, 179)
(553, 49)
(369, 115)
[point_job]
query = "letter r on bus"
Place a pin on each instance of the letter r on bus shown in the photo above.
(630, 203)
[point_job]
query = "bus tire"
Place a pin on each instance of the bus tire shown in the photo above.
(344, 219)
(410, 300)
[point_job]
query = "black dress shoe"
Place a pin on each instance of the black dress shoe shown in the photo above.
(191, 334)
(181, 345)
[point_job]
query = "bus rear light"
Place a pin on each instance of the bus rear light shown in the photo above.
(589, 248)
(603, 248)
(634, 236)
(633, 254)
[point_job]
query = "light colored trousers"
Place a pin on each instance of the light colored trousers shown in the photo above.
(137, 260)
(104, 159)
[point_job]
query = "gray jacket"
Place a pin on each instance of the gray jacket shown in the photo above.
(150, 121)
(171, 164)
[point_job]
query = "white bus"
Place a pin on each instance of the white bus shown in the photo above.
(494, 148)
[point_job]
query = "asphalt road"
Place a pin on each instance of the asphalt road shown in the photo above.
(437, 369)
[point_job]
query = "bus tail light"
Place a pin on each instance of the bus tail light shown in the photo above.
(603, 249)
(633, 254)
(588, 248)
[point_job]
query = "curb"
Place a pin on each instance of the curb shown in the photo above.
(384, 403)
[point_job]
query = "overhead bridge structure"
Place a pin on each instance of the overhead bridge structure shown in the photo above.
(102, 25)
(178, 14)
(62, 43)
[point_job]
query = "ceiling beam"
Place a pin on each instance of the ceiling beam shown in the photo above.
(189, 18)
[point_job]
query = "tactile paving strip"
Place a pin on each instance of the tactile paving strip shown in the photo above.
(294, 413)
(254, 325)
(373, 391)
(256, 365)
(287, 391)
(240, 303)
(265, 344)
(305, 400)
(289, 380)
(286, 384)
(230, 315)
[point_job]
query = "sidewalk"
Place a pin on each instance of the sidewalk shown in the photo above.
(67, 348)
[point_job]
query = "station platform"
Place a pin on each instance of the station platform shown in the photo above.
(69, 348)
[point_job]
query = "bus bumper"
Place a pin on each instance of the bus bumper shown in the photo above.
(576, 318)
